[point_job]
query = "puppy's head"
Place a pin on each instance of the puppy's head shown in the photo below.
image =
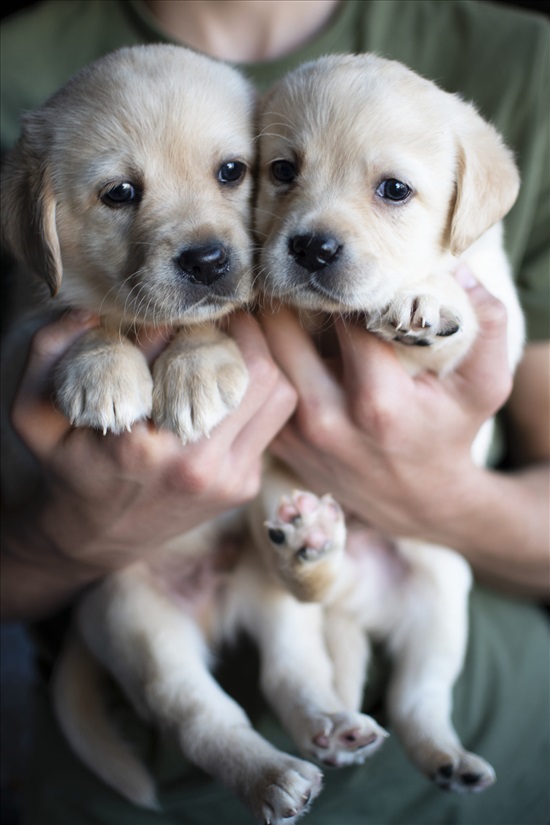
(129, 190)
(369, 176)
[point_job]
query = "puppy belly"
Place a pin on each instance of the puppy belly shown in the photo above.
(198, 584)
(376, 574)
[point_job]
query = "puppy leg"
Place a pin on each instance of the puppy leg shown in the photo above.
(159, 656)
(428, 646)
(198, 380)
(104, 382)
(302, 537)
(349, 649)
(297, 678)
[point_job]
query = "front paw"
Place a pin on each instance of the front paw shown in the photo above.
(415, 320)
(196, 388)
(103, 383)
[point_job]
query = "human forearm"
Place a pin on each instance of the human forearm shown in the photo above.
(34, 585)
(501, 525)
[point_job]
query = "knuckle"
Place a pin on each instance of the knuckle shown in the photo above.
(318, 424)
(263, 372)
(494, 315)
(373, 416)
(251, 483)
(44, 343)
(500, 390)
(192, 477)
(285, 395)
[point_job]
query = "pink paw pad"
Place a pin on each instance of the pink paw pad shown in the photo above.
(347, 739)
(309, 526)
(297, 506)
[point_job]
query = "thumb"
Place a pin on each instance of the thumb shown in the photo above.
(484, 376)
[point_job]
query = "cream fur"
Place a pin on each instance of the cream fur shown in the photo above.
(341, 126)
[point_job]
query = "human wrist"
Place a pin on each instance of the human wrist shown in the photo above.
(37, 578)
(496, 522)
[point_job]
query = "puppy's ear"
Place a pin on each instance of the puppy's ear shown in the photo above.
(487, 180)
(28, 211)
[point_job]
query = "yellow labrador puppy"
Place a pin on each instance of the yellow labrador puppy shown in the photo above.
(373, 184)
(129, 193)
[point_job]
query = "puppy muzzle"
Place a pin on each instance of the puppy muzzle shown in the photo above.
(205, 263)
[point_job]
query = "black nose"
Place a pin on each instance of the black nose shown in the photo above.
(314, 252)
(205, 263)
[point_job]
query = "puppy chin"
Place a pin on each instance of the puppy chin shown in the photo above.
(337, 291)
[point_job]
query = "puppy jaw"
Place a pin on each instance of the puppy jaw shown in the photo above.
(347, 123)
(166, 120)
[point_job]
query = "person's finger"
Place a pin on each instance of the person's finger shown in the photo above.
(484, 377)
(34, 416)
(295, 352)
(263, 427)
(376, 383)
(153, 340)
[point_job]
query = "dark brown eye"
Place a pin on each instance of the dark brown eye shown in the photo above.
(231, 172)
(120, 194)
(394, 190)
(283, 171)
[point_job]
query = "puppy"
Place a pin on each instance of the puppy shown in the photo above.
(130, 199)
(128, 192)
(373, 184)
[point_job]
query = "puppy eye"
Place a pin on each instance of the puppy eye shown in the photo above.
(283, 171)
(393, 190)
(231, 172)
(120, 194)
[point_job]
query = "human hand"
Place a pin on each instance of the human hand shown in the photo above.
(393, 449)
(105, 501)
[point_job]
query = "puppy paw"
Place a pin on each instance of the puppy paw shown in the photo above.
(307, 528)
(104, 383)
(462, 772)
(195, 388)
(416, 320)
(287, 792)
(341, 739)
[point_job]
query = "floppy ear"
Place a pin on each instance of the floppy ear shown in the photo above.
(28, 212)
(487, 182)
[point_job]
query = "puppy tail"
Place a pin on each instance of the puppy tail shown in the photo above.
(77, 698)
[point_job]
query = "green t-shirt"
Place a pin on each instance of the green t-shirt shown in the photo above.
(497, 57)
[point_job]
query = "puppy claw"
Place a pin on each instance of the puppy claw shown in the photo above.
(103, 384)
(419, 320)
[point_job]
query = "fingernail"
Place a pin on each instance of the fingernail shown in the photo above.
(465, 277)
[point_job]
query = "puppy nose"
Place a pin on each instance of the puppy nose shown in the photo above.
(205, 263)
(314, 252)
